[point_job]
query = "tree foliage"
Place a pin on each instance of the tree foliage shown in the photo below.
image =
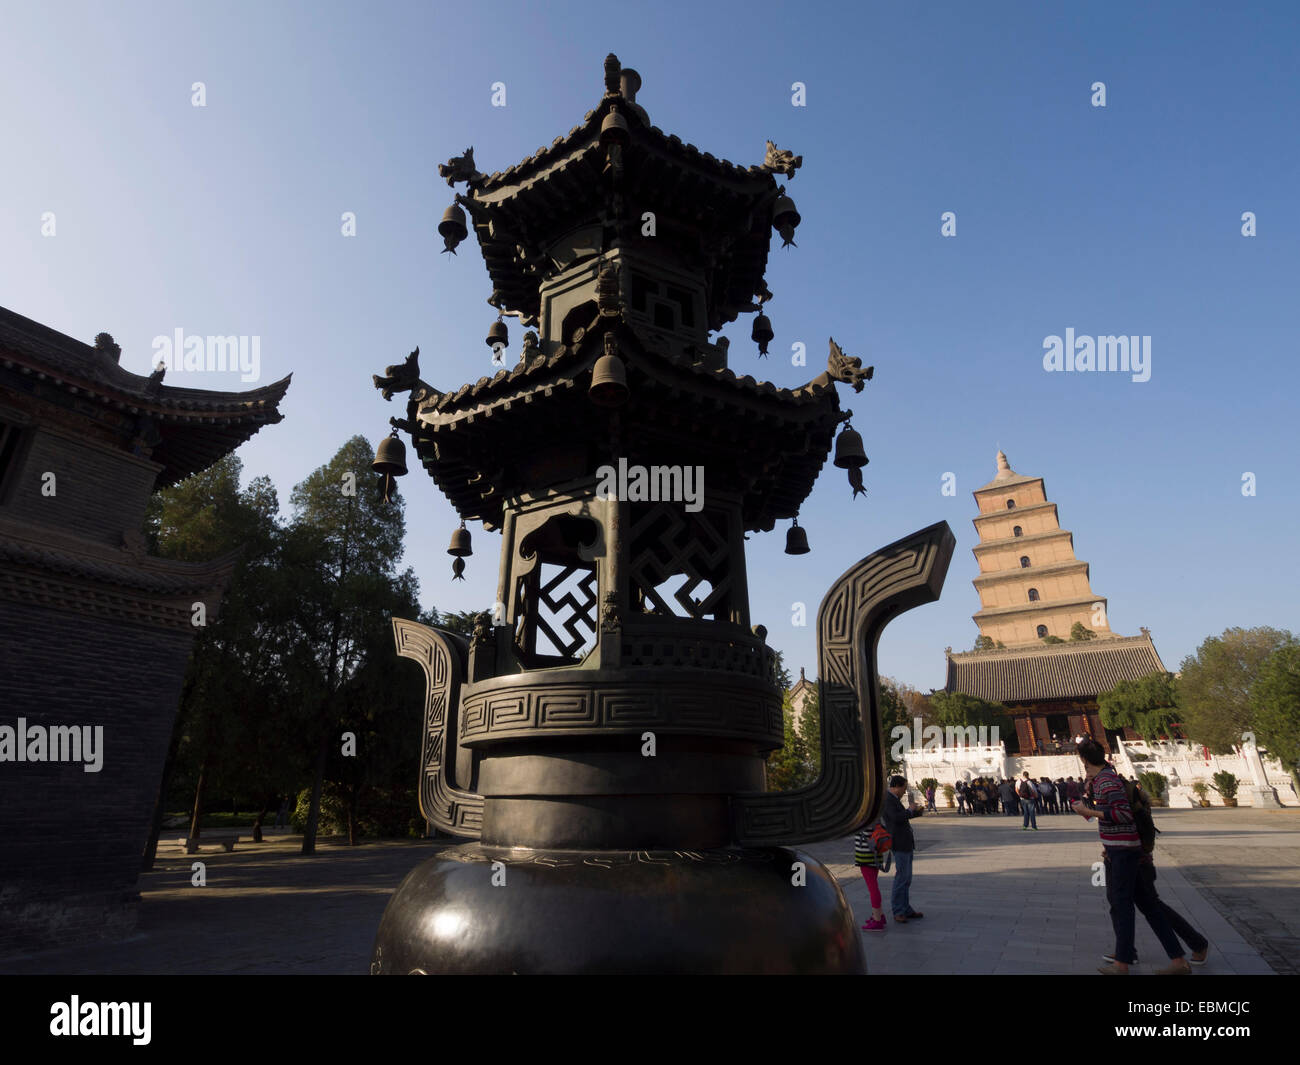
(958, 708)
(1080, 632)
(893, 714)
(1148, 705)
(1215, 684)
(1275, 705)
(791, 766)
(301, 652)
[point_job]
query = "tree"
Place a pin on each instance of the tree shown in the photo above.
(788, 768)
(960, 709)
(203, 518)
(1214, 687)
(1275, 706)
(382, 708)
(810, 732)
(1080, 632)
(783, 677)
(461, 621)
(983, 643)
(1052, 639)
(346, 542)
(1148, 705)
(893, 714)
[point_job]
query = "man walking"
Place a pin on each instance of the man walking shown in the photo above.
(898, 822)
(1029, 803)
(1122, 850)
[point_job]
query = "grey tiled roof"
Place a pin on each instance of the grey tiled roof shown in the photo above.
(1056, 671)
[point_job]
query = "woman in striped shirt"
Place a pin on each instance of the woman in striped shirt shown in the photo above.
(872, 865)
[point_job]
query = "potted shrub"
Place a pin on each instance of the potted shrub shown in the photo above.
(948, 794)
(1226, 785)
(1156, 785)
(1202, 790)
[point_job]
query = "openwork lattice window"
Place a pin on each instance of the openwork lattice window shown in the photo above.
(679, 562)
(556, 596)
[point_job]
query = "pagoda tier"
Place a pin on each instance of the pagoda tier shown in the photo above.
(183, 429)
(534, 425)
(710, 216)
(620, 241)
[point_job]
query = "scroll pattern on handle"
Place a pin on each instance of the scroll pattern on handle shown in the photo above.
(442, 656)
(907, 573)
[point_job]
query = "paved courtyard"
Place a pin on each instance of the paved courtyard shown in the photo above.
(996, 900)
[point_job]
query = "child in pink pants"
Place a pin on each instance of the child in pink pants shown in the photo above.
(872, 865)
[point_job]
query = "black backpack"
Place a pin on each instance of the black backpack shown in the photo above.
(1142, 819)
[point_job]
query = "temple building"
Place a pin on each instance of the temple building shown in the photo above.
(95, 633)
(1033, 592)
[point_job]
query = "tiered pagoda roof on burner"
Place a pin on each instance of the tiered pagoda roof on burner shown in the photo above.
(619, 238)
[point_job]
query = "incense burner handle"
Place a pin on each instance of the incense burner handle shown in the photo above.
(445, 801)
(906, 574)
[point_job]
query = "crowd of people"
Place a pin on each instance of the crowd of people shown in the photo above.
(989, 795)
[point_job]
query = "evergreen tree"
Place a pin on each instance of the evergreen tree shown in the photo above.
(1148, 705)
(346, 542)
(1275, 705)
(1214, 688)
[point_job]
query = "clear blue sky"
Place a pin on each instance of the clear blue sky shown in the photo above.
(1125, 220)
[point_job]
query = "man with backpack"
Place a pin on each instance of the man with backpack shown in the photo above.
(1028, 794)
(898, 823)
(1122, 823)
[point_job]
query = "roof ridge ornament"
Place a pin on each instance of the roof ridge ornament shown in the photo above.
(781, 161)
(847, 369)
(461, 168)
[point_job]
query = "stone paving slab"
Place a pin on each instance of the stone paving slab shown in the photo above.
(996, 900)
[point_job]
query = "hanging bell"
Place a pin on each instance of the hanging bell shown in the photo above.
(460, 543)
(762, 333)
(796, 540)
(452, 228)
(849, 452)
(614, 129)
(390, 460)
(609, 378)
(785, 218)
(498, 334)
(460, 547)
